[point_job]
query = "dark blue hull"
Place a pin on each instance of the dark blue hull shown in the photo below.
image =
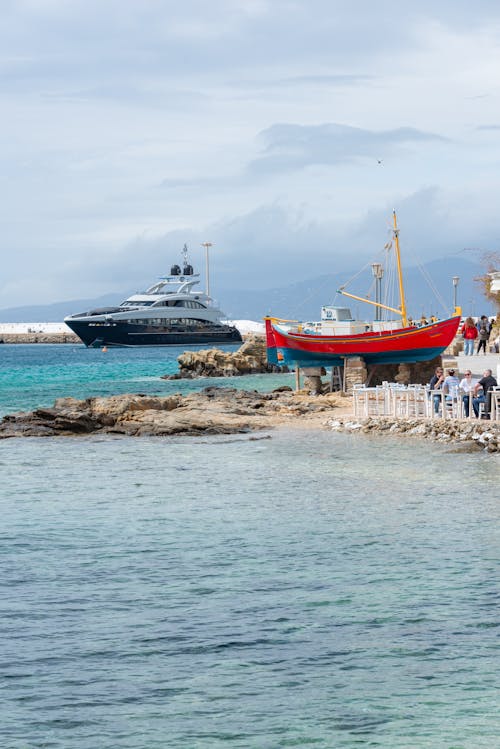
(126, 334)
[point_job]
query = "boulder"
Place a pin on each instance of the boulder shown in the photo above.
(250, 358)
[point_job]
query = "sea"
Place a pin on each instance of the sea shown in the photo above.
(282, 589)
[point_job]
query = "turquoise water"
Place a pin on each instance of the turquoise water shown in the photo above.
(35, 375)
(293, 590)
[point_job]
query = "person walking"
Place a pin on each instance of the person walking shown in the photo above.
(470, 333)
(483, 334)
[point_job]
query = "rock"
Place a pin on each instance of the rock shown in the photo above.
(250, 358)
(404, 374)
(211, 411)
(467, 447)
(467, 437)
(313, 384)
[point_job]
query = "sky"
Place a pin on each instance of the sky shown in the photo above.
(284, 132)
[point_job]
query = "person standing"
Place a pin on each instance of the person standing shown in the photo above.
(469, 332)
(467, 385)
(483, 334)
(486, 383)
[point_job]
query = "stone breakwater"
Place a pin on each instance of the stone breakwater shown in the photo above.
(466, 435)
(39, 338)
(211, 411)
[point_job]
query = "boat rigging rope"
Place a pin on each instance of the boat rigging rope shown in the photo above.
(314, 291)
(310, 296)
(389, 294)
(353, 278)
(432, 286)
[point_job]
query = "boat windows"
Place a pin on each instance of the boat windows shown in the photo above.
(137, 304)
(188, 303)
(180, 323)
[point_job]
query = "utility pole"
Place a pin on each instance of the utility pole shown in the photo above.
(455, 281)
(378, 273)
(207, 246)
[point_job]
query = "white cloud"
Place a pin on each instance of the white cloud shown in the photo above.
(131, 127)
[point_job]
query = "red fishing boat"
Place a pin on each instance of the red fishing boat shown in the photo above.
(339, 337)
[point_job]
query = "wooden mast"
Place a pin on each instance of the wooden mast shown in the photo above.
(400, 272)
(402, 308)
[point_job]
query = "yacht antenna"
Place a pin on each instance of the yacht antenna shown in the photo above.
(185, 255)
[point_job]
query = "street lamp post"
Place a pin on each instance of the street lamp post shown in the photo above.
(378, 273)
(207, 246)
(455, 280)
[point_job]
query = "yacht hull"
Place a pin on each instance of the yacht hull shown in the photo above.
(126, 334)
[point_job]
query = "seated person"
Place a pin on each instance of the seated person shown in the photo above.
(486, 383)
(436, 383)
(450, 385)
(467, 385)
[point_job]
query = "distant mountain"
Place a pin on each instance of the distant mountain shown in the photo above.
(303, 299)
(57, 311)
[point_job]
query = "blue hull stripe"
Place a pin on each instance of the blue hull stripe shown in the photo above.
(308, 359)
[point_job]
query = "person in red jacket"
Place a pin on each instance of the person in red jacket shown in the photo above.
(469, 332)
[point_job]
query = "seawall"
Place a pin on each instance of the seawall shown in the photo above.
(39, 338)
(464, 434)
(36, 332)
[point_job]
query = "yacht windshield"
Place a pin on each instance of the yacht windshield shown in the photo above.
(136, 304)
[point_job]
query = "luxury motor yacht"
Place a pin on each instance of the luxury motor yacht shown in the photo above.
(169, 313)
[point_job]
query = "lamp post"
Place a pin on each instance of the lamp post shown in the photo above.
(207, 246)
(455, 280)
(378, 273)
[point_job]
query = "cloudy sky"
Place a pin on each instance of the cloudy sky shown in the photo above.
(283, 131)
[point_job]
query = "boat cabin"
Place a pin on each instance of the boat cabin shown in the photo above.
(336, 321)
(336, 314)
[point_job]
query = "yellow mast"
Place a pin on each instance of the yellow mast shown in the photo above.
(400, 273)
(402, 308)
(368, 301)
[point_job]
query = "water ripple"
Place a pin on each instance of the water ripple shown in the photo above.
(270, 596)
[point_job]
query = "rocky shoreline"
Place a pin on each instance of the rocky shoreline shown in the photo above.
(467, 435)
(211, 411)
(230, 411)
